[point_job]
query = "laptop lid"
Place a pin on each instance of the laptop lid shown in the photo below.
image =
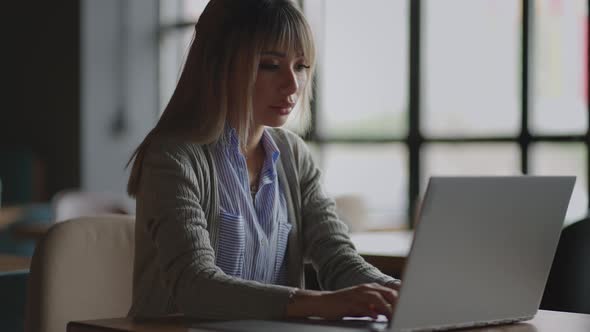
(482, 250)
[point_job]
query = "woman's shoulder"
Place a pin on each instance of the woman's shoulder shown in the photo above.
(293, 148)
(286, 136)
(177, 148)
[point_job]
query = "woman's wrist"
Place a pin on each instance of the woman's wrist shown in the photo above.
(394, 284)
(303, 303)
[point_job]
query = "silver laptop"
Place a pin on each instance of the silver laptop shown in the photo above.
(481, 255)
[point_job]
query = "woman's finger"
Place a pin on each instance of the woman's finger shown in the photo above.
(389, 294)
(378, 304)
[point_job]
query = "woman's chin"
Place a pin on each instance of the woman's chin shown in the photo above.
(276, 122)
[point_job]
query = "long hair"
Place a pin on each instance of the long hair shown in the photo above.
(217, 81)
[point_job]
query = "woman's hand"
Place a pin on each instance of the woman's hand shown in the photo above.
(362, 300)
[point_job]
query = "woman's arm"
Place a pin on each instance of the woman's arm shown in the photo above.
(326, 239)
(173, 183)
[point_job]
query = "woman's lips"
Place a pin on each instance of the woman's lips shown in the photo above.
(282, 109)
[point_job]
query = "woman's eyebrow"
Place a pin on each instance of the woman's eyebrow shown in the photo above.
(279, 54)
(275, 53)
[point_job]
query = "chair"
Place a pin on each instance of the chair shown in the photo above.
(82, 269)
(568, 285)
(37, 214)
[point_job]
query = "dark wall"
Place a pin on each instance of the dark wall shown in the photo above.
(41, 93)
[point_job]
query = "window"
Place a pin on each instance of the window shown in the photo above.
(177, 24)
(559, 108)
(361, 113)
(410, 89)
(560, 74)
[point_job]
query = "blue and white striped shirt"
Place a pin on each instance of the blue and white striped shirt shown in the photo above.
(252, 236)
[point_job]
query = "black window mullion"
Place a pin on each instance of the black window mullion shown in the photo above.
(414, 140)
(524, 138)
(588, 103)
(312, 133)
(179, 45)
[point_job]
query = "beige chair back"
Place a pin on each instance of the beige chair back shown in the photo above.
(82, 269)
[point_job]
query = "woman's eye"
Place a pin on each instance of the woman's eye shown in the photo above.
(268, 66)
(276, 67)
(301, 67)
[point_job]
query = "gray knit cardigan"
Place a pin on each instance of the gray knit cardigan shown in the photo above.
(177, 227)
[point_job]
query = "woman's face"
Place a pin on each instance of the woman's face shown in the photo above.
(280, 81)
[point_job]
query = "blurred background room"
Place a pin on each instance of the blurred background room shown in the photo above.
(405, 89)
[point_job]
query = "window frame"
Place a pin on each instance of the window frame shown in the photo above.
(415, 139)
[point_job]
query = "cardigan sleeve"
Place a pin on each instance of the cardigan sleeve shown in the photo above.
(326, 240)
(173, 182)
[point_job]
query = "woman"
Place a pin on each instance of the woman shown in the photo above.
(228, 205)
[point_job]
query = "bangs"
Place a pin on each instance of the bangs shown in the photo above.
(285, 29)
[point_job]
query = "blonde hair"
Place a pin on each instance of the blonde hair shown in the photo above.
(217, 80)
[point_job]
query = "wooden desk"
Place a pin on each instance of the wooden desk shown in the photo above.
(9, 215)
(544, 321)
(33, 232)
(26, 231)
(10, 263)
(385, 250)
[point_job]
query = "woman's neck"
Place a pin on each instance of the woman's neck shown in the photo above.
(254, 155)
(254, 141)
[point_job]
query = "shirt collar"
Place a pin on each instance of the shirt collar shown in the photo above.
(270, 147)
(231, 140)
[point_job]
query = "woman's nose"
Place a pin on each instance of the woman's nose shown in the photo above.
(289, 83)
